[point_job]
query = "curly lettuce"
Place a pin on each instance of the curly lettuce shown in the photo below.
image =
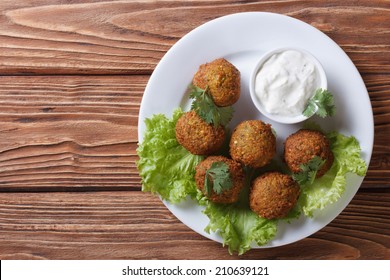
(329, 188)
(166, 168)
(238, 226)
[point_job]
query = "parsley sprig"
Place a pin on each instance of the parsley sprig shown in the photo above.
(203, 104)
(309, 171)
(217, 178)
(321, 103)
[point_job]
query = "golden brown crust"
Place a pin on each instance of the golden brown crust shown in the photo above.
(198, 137)
(236, 173)
(222, 79)
(305, 144)
(253, 143)
(273, 195)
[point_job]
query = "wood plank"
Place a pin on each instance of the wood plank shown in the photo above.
(130, 37)
(60, 132)
(135, 225)
(71, 128)
(378, 87)
(80, 132)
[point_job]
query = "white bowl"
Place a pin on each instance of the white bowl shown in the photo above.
(275, 117)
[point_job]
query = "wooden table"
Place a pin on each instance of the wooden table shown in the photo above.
(72, 78)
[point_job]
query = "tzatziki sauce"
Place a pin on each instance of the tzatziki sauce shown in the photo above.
(286, 81)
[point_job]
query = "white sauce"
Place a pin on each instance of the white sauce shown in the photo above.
(285, 82)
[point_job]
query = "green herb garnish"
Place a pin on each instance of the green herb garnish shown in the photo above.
(167, 169)
(321, 103)
(309, 171)
(205, 107)
(217, 178)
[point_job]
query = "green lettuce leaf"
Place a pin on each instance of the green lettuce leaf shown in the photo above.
(166, 168)
(329, 188)
(238, 226)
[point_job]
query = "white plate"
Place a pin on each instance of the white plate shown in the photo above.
(242, 38)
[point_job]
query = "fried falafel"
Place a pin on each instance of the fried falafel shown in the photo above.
(236, 174)
(222, 80)
(305, 144)
(253, 143)
(273, 195)
(197, 136)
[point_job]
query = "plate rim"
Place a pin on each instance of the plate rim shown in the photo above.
(205, 25)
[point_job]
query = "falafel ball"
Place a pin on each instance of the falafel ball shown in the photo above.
(273, 195)
(253, 143)
(236, 174)
(197, 136)
(305, 144)
(222, 79)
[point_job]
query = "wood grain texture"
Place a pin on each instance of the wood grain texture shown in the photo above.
(59, 132)
(130, 37)
(132, 225)
(72, 76)
(80, 133)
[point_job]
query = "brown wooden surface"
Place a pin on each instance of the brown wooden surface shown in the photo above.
(72, 78)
